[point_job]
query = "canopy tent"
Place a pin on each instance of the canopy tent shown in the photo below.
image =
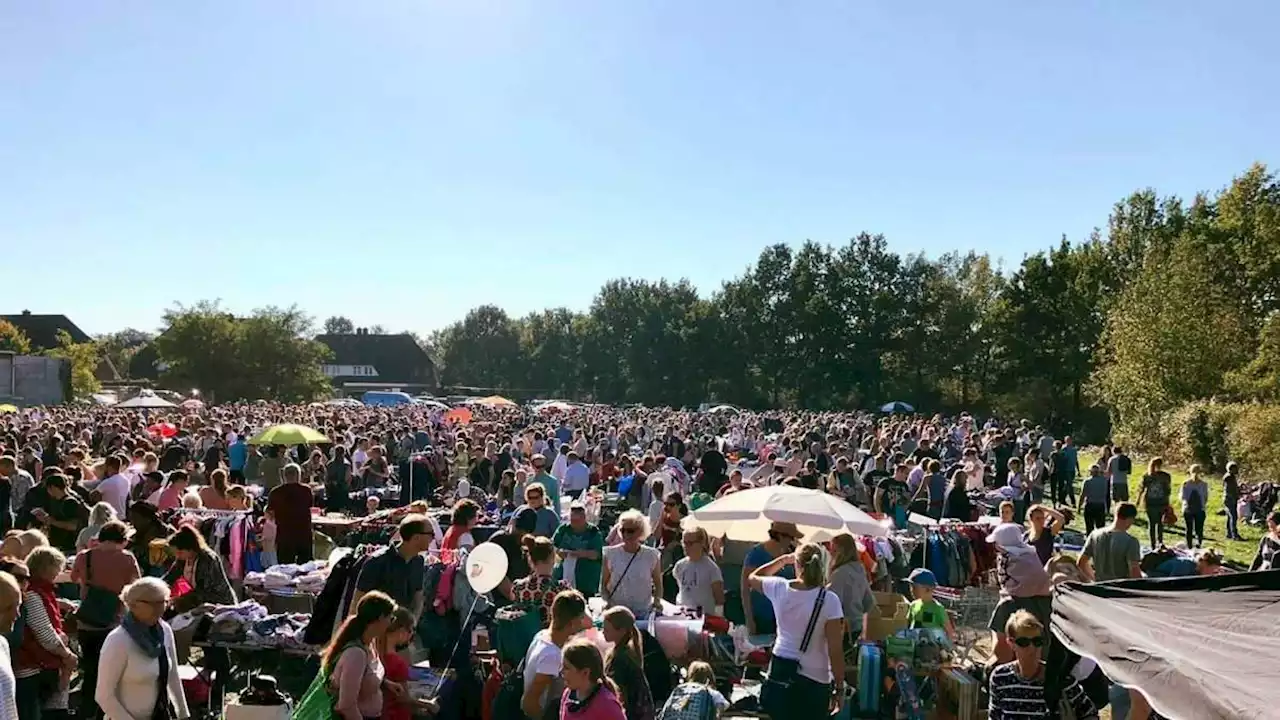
(747, 514)
(146, 400)
(554, 406)
(1198, 648)
(494, 401)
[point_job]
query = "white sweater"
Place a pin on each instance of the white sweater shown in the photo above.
(127, 678)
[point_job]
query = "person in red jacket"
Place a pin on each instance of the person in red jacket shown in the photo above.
(396, 702)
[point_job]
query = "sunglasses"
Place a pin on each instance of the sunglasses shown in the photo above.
(630, 530)
(1023, 642)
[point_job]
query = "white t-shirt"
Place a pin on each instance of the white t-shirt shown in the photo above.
(695, 580)
(632, 589)
(115, 490)
(8, 685)
(792, 608)
(542, 658)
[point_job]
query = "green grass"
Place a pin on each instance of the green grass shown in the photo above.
(1215, 524)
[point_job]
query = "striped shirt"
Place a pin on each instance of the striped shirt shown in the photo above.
(1014, 697)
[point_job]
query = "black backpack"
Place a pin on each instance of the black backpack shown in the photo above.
(506, 704)
(1124, 464)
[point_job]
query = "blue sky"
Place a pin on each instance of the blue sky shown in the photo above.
(400, 161)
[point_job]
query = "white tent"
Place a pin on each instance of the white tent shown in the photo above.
(145, 400)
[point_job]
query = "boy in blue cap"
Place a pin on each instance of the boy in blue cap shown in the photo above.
(926, 612)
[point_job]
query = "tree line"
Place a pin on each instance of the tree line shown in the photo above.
(1172, 303)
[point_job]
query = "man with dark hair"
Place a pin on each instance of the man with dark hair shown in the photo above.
(1111, 553)
(63, 515)
(397, 569)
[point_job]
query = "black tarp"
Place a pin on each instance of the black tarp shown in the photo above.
(1199, 648)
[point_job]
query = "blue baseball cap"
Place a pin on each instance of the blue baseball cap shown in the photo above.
(920, 576)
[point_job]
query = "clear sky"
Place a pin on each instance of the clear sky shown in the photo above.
(400, 161)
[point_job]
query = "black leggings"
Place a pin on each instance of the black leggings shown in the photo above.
(1155, 525)
(1195, 527)
(1095, 516)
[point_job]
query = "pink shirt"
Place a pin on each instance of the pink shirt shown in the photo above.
(169, 498)
(603, 706)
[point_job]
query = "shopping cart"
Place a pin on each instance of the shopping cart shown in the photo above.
(970, 609)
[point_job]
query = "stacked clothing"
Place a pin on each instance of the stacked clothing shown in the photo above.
(308, 577)
(249, 623)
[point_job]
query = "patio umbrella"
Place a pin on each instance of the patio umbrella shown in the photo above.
(495, 401)
(461, 416)
(7, 408)
(725, 408)
(145, 400)
(192, 404)
(165, 430)
(288, 434)
(432, 403)
(746, 514)
(897, 406)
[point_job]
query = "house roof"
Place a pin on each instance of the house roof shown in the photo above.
(42, 330)
(395, 358)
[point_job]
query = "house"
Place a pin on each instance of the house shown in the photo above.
(363, 361)
(42, 331)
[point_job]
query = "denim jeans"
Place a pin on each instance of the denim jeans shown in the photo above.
(1233, 521)
(1195, 527)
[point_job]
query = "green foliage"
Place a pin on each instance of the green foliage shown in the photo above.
(12, 339)
(83, 358)
(270, 354)
(339, 325)
(120, 347)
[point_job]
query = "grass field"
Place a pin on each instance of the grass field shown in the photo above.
(1215, 524)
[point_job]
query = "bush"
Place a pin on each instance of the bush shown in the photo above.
(1254, 440)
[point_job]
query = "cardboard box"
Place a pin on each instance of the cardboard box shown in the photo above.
(892, 616)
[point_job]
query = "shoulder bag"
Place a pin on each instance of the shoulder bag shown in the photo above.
(608, 595)
(100, 607)
(776, 690)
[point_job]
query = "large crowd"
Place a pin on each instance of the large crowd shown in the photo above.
(93, 499)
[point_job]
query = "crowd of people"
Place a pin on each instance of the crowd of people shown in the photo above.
(95, 485)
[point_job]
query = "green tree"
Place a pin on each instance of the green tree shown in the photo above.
(1173, 336)
(268, 355)
(197, 349)
(483, 350)
(339, 325)
(13, 339)
(278, 358)
(83, 359)
(119, 347)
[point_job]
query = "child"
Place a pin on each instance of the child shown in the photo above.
(396, 703)
(926, 612)
(699, 688)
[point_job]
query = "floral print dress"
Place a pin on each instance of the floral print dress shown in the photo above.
(538, 591)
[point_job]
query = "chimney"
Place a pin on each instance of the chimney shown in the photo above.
(26, 312)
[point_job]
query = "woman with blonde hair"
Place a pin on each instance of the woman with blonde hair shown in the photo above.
(43, 662)
(138, 669)
(806, 675)
(698, 688)
(625, 663)
(1195, 498)
(632, 573)
(100, 515)
(849, 582)
(588, 693)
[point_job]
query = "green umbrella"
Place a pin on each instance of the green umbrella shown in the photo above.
(288, 435)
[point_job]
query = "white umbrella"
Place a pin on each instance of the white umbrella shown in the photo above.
(432, 403)
(144, 400)
(746, 514)
(555, 406)
(724, 408)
